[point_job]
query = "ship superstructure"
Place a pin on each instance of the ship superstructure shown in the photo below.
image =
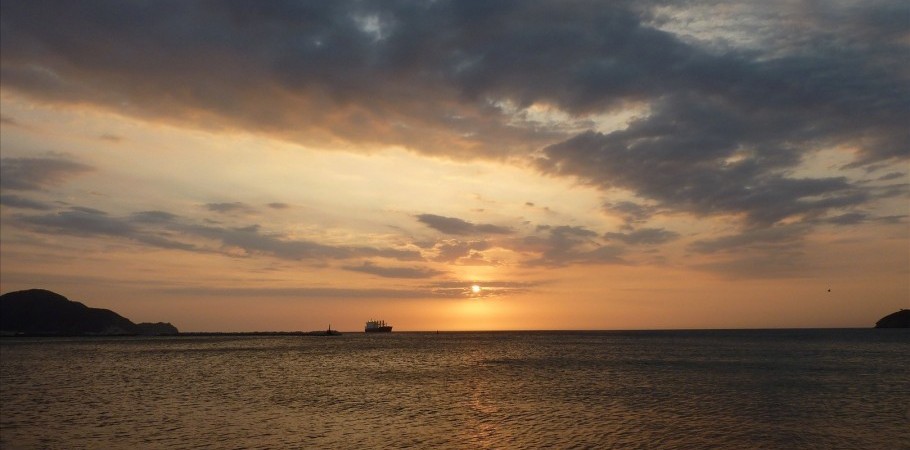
(377, 326)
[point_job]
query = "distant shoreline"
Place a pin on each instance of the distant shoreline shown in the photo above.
(323, 333)
(252, 333)
(181, 334)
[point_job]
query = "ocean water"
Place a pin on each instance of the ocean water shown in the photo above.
(747, 389)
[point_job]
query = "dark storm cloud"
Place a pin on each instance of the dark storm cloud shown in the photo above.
(310, 71)
(15, 201)
(893, 219)
(721, 132)
(725, 128)
(456, 226)
(165, 230)
(33, 174)
(891, 176)
(848, 219)
(565, 245)
(395, 272)
(688, 155)
(890, 190)
(633, 213)
(444, 73)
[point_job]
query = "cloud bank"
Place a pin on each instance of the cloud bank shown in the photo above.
(37, 174)
(716, 121)
(166, 230)
(456, 226)
(460, 77)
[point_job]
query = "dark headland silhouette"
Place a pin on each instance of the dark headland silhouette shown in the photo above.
(900, 319)
(39, 312)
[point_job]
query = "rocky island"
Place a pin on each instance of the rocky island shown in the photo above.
(39, 312)
(900, 319)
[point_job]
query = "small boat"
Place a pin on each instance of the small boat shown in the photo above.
(377, 326)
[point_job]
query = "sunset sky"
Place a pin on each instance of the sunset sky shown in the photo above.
(239, 166)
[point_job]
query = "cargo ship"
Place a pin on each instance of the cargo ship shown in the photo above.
(377, 326)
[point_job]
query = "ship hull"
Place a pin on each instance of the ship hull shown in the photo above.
(386, 329)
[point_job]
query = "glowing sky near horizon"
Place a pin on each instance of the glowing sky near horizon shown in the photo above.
(244, 166)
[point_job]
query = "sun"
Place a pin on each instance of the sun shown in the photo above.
(475, 289)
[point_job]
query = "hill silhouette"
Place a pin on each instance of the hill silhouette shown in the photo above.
(41, 312)
(900, 319)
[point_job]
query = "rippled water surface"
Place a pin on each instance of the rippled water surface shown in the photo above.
(773, 389)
